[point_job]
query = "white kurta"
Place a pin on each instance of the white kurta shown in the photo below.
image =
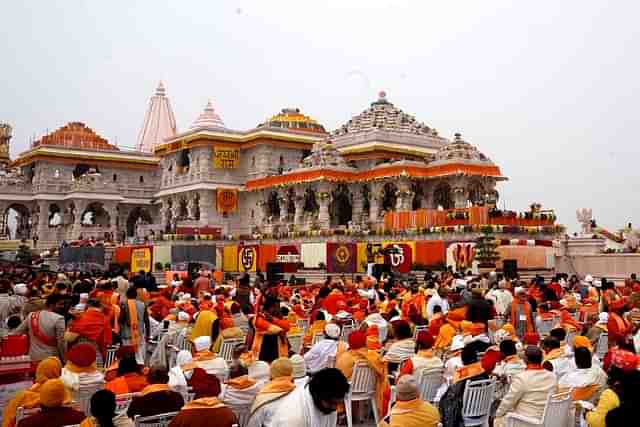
(298, 410)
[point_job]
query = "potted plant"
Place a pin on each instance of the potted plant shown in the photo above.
(485, 251)
(167, 266)
(158, 266)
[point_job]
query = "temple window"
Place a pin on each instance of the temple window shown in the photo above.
(115, 177)
(141, 179)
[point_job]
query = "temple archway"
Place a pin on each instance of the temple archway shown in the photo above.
(17, 221)
(136, 216)
(310, 204)
(54, 218)
(442, 196)
(95, 216)
(340, 209)
(273, 205)
(389, 196)
(418, 196)
(476, 193)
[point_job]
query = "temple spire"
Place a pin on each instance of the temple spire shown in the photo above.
(159, 122)
(208, 119)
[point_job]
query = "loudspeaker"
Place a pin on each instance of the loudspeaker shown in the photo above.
(510, 268)
(275, 272)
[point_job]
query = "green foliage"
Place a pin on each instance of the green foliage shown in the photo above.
(158, 266)
(486, 244)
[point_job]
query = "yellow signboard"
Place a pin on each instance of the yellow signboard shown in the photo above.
(141, 259)
(226, 158)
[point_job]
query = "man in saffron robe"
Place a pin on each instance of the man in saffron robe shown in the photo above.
(129, 379)
(409, 410)
(331, 302)
(520, 314)
(451, 402)
(270, 332)
(358, 353)
(201, 412)
(93, 328)
(618, 326)
(270, 396)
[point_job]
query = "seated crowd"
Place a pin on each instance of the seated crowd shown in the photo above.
(107, 350)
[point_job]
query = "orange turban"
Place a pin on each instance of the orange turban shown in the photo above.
(508, 327)
(582, 341)
(373, 338)
(226, 322)
(52, 393)
(48, 368)
(82, 355)
(357, 339)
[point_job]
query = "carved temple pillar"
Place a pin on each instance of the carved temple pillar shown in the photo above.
(191, 206)
(375, 202)
(357, 205)
(283, 202)
(298, 216)
(323, 197)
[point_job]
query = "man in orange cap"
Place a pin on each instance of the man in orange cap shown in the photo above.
(424, 358)
(358, 352)
(618, 326)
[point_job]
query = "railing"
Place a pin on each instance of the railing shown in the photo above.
(475, 217)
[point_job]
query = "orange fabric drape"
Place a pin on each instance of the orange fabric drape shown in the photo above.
(430, 252)
(267, 254)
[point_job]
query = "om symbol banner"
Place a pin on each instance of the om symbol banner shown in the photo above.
(399, 255)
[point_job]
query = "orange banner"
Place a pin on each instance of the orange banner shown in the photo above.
(226, 200)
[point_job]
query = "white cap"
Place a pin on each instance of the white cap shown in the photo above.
(183, 317)
(343, 315)
(259, 370)
(603, 317)
(84, 297)
(332, 330)
(588, 278)
(186, 297)
(202, 343)
(20, 289)
(457, 343)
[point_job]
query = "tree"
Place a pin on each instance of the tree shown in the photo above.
(486, 253)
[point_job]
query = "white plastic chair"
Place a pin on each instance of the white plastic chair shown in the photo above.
(111, 356)
(346, 331)
(295, 341)
(556, 413)
(22, 413)
(242, 412)
(418, 329)
(160, 420)
(227, 346)
(123, 401)
(476, 402)
(429, 381)
(602, 347)
(83, 396)
(316, 339)
(362, 387)
(303, 324)
(545, 327)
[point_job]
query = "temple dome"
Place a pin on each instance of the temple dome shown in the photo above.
(293, 119)
(76, 135)
(460, 150)
(383, 115)
(208, 119)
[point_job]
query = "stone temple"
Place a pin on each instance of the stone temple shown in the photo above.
(383, 172)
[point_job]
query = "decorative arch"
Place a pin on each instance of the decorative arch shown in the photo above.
(442, 196)
(183, 212)
(138, 215)
(389, 196)
(17, 221)
(476, 192)
(54, 218)
(95, 215)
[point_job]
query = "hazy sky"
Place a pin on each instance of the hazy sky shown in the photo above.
(548, 89)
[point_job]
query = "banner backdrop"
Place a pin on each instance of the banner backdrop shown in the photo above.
(141, 259)
(181, 256)
(226, 200)
(461, 256)
(342, 257)
(81, 258)
(230, 258)
(399, 255)
(289, 256)
(247, 259)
